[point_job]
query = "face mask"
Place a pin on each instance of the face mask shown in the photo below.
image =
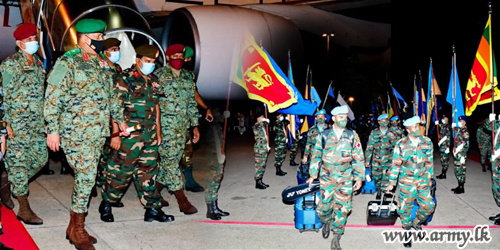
(415, 133)
(96, 45)
(31, 47)
(115, 56)
(461, 124)
(281, 118)
(320, 121)
(342, 123)
(442, 121)
(176, 63)
(394, 124)
(147, 68)
(384, 124)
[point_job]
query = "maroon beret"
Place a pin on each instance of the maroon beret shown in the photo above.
(24, 31)
(174, 48)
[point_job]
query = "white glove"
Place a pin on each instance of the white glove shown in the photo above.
(436, 123)
(442, 140)
(226, 114)
(462, 160)
(286, 118)
(268, 149)
(302, 120)
(453, 125)
(300, 137)
(499, 117)
(265, 120)
(492, 117)
(447, 151)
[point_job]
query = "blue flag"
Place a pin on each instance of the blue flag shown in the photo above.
(459, 104)
(315, 96)
(302, 107)
(330, 92)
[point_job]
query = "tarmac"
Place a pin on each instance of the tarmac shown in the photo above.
(259, 219)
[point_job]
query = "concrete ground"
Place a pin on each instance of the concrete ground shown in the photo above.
(50, 199)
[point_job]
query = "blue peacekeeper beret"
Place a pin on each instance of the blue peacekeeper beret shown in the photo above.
(90, 25)
(463, 118)
(340, 110)
(382, 116)
(320, 112)
(394, 118)
(412, 121)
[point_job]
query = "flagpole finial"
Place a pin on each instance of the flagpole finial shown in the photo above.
(489, 6)
(419, 72)
(453, 48)
(431, 58)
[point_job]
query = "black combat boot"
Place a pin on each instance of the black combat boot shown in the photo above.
(408, 244)
(218, 211)
(326, 230)
(260, 185)
(105, 211)
(460, 189)
(293, 163)
(117, 204)
(494, 218)
(336, 242)
(157, 214)
(379, 194)
(65, 168)
(442, 175)
(453, 189)
(211, 213)
(46, 170)
(279, 172)
(484, 167)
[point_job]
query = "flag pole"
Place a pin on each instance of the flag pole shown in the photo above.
(415, 105)
(326, 96)
(435, 103)
(394, 95)
(492, 83)
(225, 119)
(267, 124)
(420, 101)
(454, 111)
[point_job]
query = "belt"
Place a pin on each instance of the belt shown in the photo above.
(415, 165)
(337, 167)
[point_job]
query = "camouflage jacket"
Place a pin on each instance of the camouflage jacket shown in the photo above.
(338, 156)
(279, 129)
(445, 130)
(79, 98)
(397, 131)
(259, 131)
(177, 100)
(3, 128)
(312, 134)
(138, 97)
(462, 137)
(23, 87)
(484, 138)
(380, 146)
(412, 161)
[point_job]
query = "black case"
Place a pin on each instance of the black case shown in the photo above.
(382, 212)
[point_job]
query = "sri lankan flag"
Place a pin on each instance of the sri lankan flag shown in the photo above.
(479, 85)
(261, 77)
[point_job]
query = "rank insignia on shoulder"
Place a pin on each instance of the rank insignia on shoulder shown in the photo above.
(136, 74)
(85, 57)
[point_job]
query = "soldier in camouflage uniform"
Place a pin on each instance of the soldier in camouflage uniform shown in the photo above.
(5, 194)
(279, 129)
(341, 172)
(444, 145)
(413, 163)
(483, 136)
(460, 153)
(395, 128)
(312, 134)
(261, 149)
(379, 153)
(137, 156)
(79, 103)
(495, 169)
(294, 148)
(23, 82)
(178, 114)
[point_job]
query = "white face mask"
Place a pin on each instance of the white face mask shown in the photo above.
(461, 124)
(442, 121)
(281, 118)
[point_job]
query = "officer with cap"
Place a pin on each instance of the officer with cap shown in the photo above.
(261, 149)
(460, 152)
(395, 128)
(178, 114)
(342, 171)
(23, 77)
(413, 163)
(79, 103)
(312, 134)
(444, 145)
(379, 153)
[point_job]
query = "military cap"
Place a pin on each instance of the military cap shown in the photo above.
(259, 114)
(412, 121)
(24, 31)
(340, 110)
(189, 52)
(394, 118)
(175, 48)
(90, 25)
(111, 42)
(463, 118)
(147, 50)
(320, 112)
(382, 116)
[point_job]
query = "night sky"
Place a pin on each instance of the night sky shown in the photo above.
(425, 29)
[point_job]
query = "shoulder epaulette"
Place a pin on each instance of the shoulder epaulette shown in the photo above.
(73, 52)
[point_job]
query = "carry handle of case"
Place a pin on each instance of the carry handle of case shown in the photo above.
(379, 213)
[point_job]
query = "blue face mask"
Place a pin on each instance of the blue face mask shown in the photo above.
(147, 68)
(31, 47)
(114, 56)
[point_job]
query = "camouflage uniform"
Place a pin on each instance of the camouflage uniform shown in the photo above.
(444, 147)
(138, 154)
(397, 131)
(484, 139)
(23, 87)
(3, 129)
(294, 148)
(380, 146)
(186, 161)
(260, 149)
(178, 114)
(312, 134)
(279, 142)
(78, 104)
(414, 165)
(343, 164)
(461, 137)
(214, 178)
(495, 169)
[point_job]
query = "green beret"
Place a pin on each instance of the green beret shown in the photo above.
(188, 53)
(147, 50)
(89, 25)
(111, 42)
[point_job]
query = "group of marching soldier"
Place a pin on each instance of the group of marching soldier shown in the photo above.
(146, 114)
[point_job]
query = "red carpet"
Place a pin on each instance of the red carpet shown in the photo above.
(15, 235)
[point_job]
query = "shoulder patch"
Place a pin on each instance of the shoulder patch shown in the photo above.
(71, 53)
(58, 73)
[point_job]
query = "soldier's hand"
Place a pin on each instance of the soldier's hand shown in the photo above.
(388, 189)
(208, 116)
(159, 139)
(357, 186)
(116, 142)
(53, 142)
(310, 181)
(123, 129)
(10, 132)
(4, 145)
(479, 146)
(304, 160)
(196, 135)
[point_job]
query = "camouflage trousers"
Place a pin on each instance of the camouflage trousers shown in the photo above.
(411, 188)
(26, 154)
(279, 153)
(445, 157)
(216, 173)
(485, 153)
(186, 162)
(107, 153)
(135, 160)
(83, 157)
(170, 151)
(379, 170)
(294, 148)
(460, 169)
(495, 183)
(260, 161)
(336, 195)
